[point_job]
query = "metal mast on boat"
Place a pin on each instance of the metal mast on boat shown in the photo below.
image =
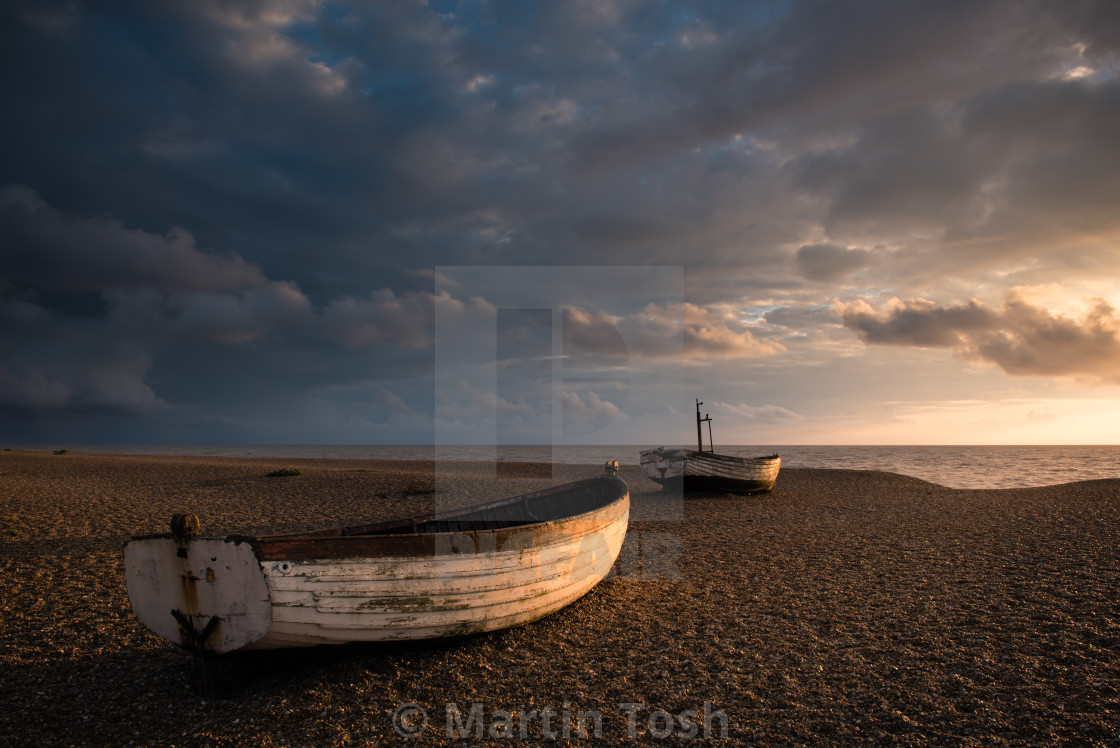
(699, 431)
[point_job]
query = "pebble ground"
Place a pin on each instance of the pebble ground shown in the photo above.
(843, 608)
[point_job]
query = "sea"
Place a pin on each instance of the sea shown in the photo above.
(954, 467)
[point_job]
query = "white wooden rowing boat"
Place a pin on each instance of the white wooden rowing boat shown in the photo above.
(707, 471)
(700, 470)
(450, 574)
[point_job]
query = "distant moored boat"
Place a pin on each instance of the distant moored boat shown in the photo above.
(700, 470)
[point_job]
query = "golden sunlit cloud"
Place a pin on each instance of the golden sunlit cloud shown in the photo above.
(1021, 338)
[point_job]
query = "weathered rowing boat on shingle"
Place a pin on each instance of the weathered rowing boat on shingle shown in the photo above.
(700, 470)
(483, 568)
(707, 471)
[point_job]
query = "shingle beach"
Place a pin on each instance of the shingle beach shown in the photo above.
(843, 608)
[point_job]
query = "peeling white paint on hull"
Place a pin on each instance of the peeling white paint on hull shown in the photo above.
(661, 464)
(202, 578)
(476, 570)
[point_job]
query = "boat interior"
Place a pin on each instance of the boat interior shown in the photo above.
(547, 505)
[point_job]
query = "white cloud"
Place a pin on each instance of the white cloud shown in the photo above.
(758, 413)
(590, 407)
(663, 331)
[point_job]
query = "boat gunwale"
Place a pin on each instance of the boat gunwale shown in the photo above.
(333, 543)
(765, 459)
(689, 453)
(452, 514)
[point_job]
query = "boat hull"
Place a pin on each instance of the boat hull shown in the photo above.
(663, 465)
(473, 582)
(313, 589)
(706, 471)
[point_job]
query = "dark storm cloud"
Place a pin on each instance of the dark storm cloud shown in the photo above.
(202, 115)
(240, 317)
(241, 194)
(139, 279)
(43, 247)
(907, 174)
(390, 130)
(918, 322)
(407, 320)
(826, 262)
(1097, 23)
(162, 313)
(1057, 151)
(1021, 338)
(796, 69)
(91, 373)
(1021, 178)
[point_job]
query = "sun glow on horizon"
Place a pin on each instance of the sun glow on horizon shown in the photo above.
(1025, 421)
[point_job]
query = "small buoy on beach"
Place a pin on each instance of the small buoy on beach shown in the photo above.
(184, 525)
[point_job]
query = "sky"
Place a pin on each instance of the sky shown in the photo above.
(304, 222)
